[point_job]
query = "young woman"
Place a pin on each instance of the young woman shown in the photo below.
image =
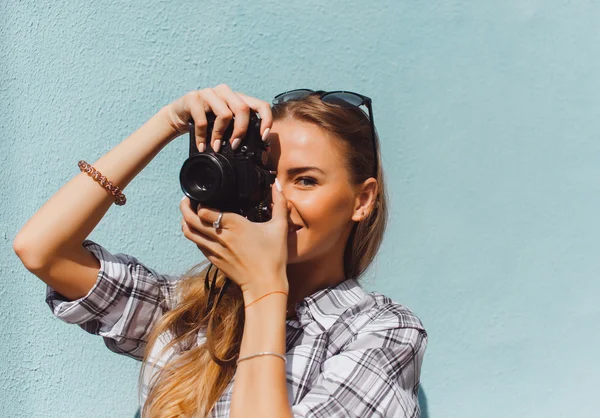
(294, 334)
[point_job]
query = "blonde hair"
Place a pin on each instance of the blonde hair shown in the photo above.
(191, 382)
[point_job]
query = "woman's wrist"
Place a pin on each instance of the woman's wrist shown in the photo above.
(166, 114)
(260, 383)
(278, 286)
(265, 312)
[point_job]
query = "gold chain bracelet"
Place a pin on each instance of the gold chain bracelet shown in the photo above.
(264, 353)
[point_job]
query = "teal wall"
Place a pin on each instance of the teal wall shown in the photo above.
(489, 116)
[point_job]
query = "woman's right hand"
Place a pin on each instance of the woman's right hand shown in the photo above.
(225, 104)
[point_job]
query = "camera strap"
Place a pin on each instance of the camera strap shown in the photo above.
(211, 307)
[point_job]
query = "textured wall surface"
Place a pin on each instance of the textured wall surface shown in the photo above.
(488, 113)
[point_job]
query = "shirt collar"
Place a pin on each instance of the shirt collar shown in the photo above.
(326, 305)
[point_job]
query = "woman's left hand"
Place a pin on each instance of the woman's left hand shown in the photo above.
(253, 255)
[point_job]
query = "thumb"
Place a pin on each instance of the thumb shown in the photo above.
(280, 210)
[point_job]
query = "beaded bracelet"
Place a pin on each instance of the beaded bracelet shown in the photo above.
(108, 185)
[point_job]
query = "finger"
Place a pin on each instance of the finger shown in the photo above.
(208, 254)
(241, 113)
(223, 117)
(203, 226)
(212, 257)
(280, 209)
(264, 110)
(208, 216)
(202, 241)
(196, 110)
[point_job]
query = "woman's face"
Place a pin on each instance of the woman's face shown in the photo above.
(316, 184)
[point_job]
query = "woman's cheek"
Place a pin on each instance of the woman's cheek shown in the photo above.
(320, 209)
(328, 213)
(313, 208)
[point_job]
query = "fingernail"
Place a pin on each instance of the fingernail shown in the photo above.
(183, 197)
(217, 145)
(266, 134)
(277, 184)
(235, 143)
(202, 147)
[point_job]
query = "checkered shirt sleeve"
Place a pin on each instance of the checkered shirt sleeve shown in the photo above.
(126, 300)
(375, 375)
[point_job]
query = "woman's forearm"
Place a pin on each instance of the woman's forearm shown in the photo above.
(73, 212)
(260, 388)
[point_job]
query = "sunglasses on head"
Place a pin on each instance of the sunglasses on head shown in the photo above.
(340, 98)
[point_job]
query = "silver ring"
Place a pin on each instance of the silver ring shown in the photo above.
(217, 223)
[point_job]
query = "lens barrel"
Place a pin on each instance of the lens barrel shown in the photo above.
(208, 178)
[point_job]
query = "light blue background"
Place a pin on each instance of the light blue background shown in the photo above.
(489, 116)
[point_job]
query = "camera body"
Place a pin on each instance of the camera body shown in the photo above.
(229, 180)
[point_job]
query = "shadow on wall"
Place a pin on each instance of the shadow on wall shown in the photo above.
(422, 404)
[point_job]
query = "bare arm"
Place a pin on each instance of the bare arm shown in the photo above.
(260, 387)
(49, 244)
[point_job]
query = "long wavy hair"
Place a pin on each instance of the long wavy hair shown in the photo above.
(191, 382)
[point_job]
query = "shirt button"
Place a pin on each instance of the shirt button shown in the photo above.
(302, 308)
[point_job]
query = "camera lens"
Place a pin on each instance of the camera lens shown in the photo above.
(204, 177)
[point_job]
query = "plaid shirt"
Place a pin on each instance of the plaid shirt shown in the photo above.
(350, 353)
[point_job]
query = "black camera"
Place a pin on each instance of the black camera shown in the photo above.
(229, 180)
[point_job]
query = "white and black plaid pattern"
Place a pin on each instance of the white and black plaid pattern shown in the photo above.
(350, 353)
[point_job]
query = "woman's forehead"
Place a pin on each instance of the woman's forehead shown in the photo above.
(298, 143)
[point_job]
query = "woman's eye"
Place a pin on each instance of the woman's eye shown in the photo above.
(307, 181)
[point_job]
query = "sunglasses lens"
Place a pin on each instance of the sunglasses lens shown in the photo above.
(343, 99)
(291, 95)
(348, 100)
(339, 98)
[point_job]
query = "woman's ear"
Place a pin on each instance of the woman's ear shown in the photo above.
(366, 196)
